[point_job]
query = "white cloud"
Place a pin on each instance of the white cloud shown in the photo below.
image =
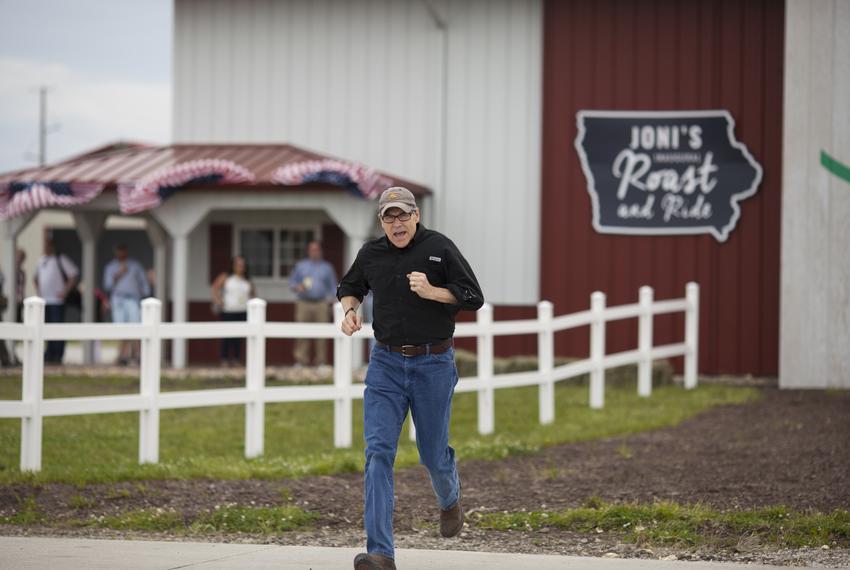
(89, 111)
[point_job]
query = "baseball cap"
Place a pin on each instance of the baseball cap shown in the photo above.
(396, 197)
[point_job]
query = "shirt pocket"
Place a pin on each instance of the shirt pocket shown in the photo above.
(382, 277)
(436, 272)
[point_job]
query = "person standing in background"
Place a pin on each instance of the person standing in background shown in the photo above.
(125, 281)
(55, 276)
(21, 284)
(314, 282)
(231, 291)
(6, 358)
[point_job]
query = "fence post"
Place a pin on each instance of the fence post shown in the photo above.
(151, 361)
(647, 296)
(597, 350)
(486, 414)
(546, 362)
(691, 334)
(343, 353)
(32, 385)
(255, 379)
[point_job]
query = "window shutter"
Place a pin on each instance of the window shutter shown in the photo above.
(221, 249)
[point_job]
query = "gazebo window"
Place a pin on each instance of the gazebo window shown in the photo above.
(293, 247)
(258, 248)
(272, 252)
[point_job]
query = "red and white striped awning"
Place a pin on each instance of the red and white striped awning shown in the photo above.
(146, 176)
(152, 190)
(18, 198)
(358, 178)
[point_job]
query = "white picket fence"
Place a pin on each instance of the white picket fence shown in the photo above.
(33, 407)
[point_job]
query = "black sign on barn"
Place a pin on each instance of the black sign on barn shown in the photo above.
(665, 173)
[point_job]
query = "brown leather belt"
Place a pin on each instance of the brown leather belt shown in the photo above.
(418, 350)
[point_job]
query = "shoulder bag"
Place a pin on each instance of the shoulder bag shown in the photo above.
(73, 298)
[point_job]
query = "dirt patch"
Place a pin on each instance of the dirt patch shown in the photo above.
(788, 448)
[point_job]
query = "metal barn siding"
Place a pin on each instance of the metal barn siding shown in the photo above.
(666, 55)
(456, 108)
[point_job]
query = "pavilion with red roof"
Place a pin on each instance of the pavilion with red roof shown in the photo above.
(177, 187)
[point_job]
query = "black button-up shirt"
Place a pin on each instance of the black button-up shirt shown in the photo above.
(400, 315)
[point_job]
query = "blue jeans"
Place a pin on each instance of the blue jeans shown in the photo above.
(232, 346)
(126, 309)
(395, 383)
(55, 349)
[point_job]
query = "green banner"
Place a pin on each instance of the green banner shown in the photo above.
(840, 170)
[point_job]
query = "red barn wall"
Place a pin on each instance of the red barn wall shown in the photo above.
(666, 55)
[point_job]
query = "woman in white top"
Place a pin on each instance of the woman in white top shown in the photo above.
(230, 292)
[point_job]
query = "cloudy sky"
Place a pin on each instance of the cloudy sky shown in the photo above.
(107, 67)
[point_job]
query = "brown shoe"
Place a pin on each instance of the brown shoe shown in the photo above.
(451, 520)
(365, 561)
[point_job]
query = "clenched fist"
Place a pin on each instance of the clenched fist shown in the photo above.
(351, 323)
(420, 285)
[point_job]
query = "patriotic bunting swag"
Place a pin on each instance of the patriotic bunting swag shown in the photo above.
(153, 190)
(290, 167)
(356, 178)
(17, 198)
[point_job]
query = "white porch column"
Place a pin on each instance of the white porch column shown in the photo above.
(356, 222)
(179, 216)
(9, 231)
(352, 246)
(353, 243)
(89, 227)
(8, 266)
(179, 300)
(159, 239)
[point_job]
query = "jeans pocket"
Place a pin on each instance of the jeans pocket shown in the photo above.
(447, 356)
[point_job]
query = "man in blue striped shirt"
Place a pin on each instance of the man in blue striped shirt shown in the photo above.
(313, 281)
(125, 281)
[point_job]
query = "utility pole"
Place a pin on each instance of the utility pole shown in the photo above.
(42, 126)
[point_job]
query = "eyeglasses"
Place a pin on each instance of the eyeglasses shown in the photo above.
(389, 218)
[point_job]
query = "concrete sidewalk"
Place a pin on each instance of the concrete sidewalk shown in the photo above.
(24, 553)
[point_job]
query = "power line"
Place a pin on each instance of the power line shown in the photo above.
(42, 126)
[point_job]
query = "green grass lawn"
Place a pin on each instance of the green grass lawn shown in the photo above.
(208, 442)
(223, 518)
(685, 525)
